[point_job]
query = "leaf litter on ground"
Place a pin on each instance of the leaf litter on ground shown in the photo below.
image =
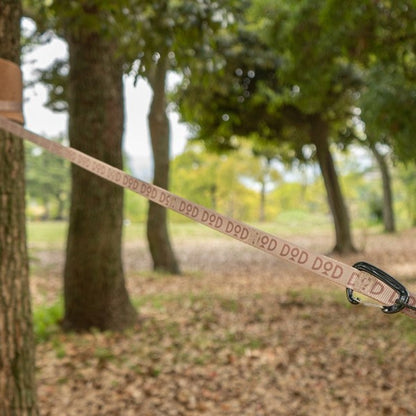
(240, 333)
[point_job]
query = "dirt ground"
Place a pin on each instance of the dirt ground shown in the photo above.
(239, 333)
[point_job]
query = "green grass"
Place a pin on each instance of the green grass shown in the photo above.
(46, 319)
(50, 234)
(47, 234)
(178, 230)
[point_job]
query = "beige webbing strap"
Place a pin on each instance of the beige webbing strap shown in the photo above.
(11, 91)
(332, 270)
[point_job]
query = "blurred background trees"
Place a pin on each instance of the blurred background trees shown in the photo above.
(281, 98)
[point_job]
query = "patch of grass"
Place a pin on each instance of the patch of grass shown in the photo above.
(151, 275)
(301, 222)
(238, 342)
(156, 301)
(104, 354)
(156, 275)
(52, 234)
(306, 296)
(310, 296)
(46, 319)
(59, 347)
(407, 328)
(181, 229)
(229, 305)
(47, 234)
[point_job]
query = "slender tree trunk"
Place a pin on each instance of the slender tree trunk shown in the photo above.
(319, 137)
(61, 208)
(17, 350)
(46, 206)
(213, 195)
(265, 174)
(94, 291)
(157, 231)
(262, 215)
(388, 211)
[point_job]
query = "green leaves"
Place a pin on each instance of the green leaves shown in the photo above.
(48, 183)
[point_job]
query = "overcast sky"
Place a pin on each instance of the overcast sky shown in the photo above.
(137, 100)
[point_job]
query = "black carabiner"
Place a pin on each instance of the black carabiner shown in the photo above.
(401, 301)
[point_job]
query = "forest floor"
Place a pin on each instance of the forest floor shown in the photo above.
(239, 333)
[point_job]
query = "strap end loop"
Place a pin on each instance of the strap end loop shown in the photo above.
(11, 91)
(399, 304)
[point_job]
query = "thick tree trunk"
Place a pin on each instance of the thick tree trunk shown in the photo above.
(319, 137)
(94, 291)
(17, 350)
(157, 231)
(388, 211)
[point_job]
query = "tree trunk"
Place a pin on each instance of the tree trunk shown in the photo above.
(17, 350)
(263, 184)
(60, 212)
(319, 137)
(157, 230)
(46, 206)
(388, 211)
(262, 215)
(213, 195)
(94, 291)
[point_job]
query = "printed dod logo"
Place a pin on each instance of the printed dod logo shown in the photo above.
(265, 242)
(147, 190)
(369, 285)
(366, 283)
(212, 219)
(327, 268)
(188, 209)
(236, 230)
(294, 254)
(113, 175)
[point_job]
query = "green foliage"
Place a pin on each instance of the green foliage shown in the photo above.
(406, 193)
(55, 79)
(48, 184)
(176, 29)
(382, 43)
(224, 183)
(46, 320)
(227, 184)
(375, 205)
(135, 207)
(299, 197)
(387, 105)
(278, 71)
(258, 70)
(227, 100)
(195, 176)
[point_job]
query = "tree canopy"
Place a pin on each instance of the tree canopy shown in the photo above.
(271, 71)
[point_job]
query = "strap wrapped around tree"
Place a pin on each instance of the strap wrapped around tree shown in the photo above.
(11, 91)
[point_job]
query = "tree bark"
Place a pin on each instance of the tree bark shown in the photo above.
(157, 230)
(94, 288)
(388, 211)
(263, 185)
(17, 350)
(319, 131)
(262, 214)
